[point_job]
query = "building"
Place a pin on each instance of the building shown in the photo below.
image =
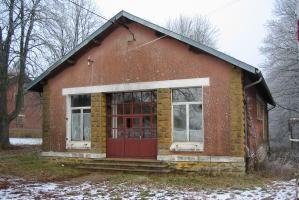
(28, 123)
(136, 90)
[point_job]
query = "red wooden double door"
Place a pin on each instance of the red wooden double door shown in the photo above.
(132, 125)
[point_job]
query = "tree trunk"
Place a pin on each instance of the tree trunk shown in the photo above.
(4, 122)
(4, 130)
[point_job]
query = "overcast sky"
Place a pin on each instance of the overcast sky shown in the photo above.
(241, 23)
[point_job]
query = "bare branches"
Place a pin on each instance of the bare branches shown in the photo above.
(198, 28)
(19, 26)
(34, 33)
(282, 66)
(25, 37)
(65, 25)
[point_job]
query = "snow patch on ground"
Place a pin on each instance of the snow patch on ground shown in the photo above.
(25, 141)
(13, 188)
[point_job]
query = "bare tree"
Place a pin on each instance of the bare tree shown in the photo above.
(65, 25)
(282, 68)
(16, 29)
(34, 33)
(198, 28)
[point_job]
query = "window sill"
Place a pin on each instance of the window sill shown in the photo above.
(187, 146)
(78, 145)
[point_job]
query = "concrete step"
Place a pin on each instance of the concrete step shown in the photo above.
(120, 160)
(123, 169)
(125, 165)
(128, 165)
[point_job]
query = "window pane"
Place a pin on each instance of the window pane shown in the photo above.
(196, 135)
(195, 117)
(186, 94)
(119, 122)
(120, 133)
(86, 125)
(128, 109)
(128, 97)
(179, 123)
(146, 121)
(137, 96)
(134, 132)
(136, 108)
(146, 108)
(146, 96)
(80, 100)
(148, 133)
(195, 123)
(118, 98)
(136, 123)
(75, 135)
(119, 109)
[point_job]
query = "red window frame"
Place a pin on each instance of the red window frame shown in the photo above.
(128, 106)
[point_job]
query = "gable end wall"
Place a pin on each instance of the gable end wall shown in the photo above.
(165, 59)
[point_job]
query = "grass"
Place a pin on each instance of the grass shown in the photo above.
(29, 165)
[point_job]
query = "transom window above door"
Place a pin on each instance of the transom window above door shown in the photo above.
(187, 115)
(132, 114)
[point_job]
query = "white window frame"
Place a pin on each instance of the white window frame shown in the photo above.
(69, 143)
(187, 146)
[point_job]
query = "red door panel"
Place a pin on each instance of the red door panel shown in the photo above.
(132, 118)
(132, 148)
(115, 147)
(148, 148)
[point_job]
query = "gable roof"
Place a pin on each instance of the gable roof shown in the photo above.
(36, 84)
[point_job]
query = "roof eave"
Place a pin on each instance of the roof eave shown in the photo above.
(267, 90)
